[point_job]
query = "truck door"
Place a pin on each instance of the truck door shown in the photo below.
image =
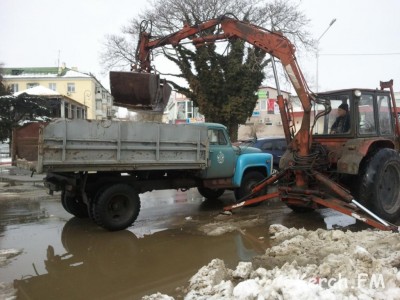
(222, 155)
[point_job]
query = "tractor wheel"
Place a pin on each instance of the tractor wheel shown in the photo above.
(249, 180)
(210, 193)
(380, 184)
(117, 207)
(74, 205)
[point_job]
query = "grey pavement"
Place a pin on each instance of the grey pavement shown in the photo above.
(11, 173)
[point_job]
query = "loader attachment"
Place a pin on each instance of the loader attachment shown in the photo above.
(139, 91)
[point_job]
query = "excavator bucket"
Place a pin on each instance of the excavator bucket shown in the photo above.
(139, 91)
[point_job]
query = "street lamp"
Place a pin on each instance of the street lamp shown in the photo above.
(317, 54)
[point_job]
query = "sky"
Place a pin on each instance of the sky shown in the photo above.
(361, 48)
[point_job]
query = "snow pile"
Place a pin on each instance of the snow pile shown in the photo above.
(220, 227)
(6, 289)
(7, 254)
(305, 264)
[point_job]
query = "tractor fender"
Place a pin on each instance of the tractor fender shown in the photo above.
(252, 161)
(356, 149)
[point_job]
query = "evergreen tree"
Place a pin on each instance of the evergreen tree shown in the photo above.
(16, 110)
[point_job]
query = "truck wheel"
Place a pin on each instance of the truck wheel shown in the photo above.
(117, 207)
(210, 193)
(93, 199)
(380, 184)
(249, 180)
(75, 206)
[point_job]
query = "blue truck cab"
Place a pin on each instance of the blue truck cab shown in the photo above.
(231, 167)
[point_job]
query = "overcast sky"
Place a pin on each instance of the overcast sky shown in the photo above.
(361, 48)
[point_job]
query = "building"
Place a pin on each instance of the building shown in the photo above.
(81, 87)
(266, 118)
(181, 110)
(62, 106)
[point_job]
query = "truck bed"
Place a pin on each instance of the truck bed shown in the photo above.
(65, 145)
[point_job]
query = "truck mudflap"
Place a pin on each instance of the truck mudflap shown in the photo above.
(139, 91)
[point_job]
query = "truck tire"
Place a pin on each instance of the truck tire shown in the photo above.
(380, 184)
(93, 199)
(117, 207)
(74, 206)
(249, 180)
(210, 193)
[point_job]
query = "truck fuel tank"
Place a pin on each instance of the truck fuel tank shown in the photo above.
(139, 91)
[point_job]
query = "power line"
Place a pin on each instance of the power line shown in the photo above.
(360, 54)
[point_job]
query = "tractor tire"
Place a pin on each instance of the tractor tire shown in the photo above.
(117, 207)
(379, 180)
(210, 193)
(249, 180)
(74, 206)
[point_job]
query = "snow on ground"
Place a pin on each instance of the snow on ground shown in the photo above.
(301, 264)
(7, 254)
(6, 289)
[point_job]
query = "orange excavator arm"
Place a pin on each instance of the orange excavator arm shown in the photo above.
(271, 42)
(280, 47)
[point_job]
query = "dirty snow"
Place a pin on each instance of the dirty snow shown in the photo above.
(7, 254)
(220, 227)
(6, 289)
(301, 264)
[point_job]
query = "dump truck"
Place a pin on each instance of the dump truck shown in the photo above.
(355, 171)
(101, 167)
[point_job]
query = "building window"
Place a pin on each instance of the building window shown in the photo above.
(71, 87)
(263, 104)
(52, 86)
(98, 105)
(181, 113)
(31, 85)
(109, 112)
(189, 109)
(73, 111)
(14, 87)
(66, 110)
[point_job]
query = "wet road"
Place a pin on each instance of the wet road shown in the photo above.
(176, 234)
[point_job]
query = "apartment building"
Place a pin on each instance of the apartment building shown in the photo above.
(81, 87)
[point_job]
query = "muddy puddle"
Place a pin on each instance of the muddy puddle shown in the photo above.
(177, 233)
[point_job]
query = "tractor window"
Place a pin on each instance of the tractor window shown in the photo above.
(339, 117)
(384, 115)
(366, 115)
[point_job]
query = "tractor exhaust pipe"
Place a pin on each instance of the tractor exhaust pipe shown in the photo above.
(139, 91)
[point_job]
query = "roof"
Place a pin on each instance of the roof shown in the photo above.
(38, 91)
(42, 72)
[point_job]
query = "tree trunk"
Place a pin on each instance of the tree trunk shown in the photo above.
(233, 132)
